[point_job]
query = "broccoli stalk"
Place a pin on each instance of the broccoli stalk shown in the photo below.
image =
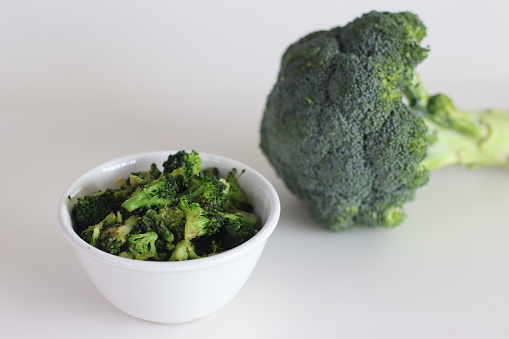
(473, 139)
(352, 131)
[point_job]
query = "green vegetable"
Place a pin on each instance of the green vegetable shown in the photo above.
(352, 131)
(182, 212)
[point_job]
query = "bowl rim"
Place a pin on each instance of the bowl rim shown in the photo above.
(83, 247)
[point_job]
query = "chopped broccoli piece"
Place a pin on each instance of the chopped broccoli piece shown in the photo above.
(182, 163)
(207, 190)
(184, 251)
(236, 196)
(351, 130)
(142, 246)
(92, 233)
(113, 239)
(199, 222)
(91, 209)
(160, 192)
(235, 231)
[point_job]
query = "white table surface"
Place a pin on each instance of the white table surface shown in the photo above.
(85, 83)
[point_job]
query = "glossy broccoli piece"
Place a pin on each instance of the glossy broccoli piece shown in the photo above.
(171, 215)
(351, 130)
(160, 192)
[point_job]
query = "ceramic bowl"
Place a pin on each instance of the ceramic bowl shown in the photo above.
(170, 292)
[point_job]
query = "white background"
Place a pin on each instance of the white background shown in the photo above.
(85, 81)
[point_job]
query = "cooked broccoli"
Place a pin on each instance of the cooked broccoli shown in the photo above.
(113, 239)
(92, 233)
(236, 196)
(351, 130)
(184, 164)
(142, 178)
(184, 251)
(199, 222)
(93, 208)
(171, 215)
(235, 231)
(208, 190)
(141, 246)
(160, 192)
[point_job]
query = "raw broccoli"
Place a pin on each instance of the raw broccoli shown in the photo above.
(160, 192)
(351, 130)
(171, 215)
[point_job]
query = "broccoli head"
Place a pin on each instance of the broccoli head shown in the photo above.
(348, 124)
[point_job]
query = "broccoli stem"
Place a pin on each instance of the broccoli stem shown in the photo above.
(472, 139)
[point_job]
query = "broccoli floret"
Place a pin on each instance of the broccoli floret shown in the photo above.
(160, 192)
(234, 231)
(142, 246)
(237, 199)
(207, 190)
(158, 222)
(136, 179)
(92, 233)
(184, 164)
(91, 209)
(351, 130)
(113, 239)
(184, 251)
(199, 222)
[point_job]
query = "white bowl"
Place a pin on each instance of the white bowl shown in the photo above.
(170, 292)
